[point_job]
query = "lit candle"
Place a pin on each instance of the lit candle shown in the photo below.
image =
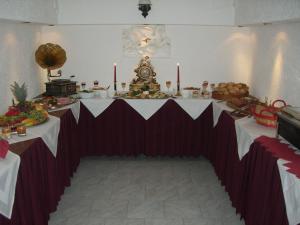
(178, 78)
(115, 76)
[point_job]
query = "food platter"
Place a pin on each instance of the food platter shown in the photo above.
(226, 91)
(28, 119)
(51, 103)
(146, 95)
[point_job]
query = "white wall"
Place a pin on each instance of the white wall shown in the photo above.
(18, 43)
(264, 57)
(264, 11)
(207, 12)
(276, 58)
(39, 11)
(205, 53)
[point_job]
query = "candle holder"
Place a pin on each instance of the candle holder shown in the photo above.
(115, 88)
(178, 93)
(6, 132)
(21, 130)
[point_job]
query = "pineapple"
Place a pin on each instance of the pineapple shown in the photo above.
(20, 94)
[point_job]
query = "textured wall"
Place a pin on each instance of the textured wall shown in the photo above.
(276, 71)
(215, 12)
(40, 11)
(205, 53)
(261, 11)
(18, 43)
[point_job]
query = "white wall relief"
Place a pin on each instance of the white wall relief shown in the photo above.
(150, 40)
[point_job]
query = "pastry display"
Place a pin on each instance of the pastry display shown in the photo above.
(237, 102)
(241, 105)
(227, 90)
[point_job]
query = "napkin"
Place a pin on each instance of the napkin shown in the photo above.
(3, 148)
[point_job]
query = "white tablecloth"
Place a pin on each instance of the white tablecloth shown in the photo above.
(218, 108)
(148, 107)
(193, 107)
(291, 191)
(48, 131)
(9, 168)
(75, 108)
(97, 105)
(247, 130)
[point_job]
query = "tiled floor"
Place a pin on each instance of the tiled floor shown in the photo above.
(145, 191)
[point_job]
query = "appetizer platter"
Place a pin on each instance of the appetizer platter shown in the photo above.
(51, 102)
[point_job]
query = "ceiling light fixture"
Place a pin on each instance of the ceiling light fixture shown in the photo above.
(145, 7)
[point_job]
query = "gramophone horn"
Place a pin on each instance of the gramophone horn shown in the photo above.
(50, 56)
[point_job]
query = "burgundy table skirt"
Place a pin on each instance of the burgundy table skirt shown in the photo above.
(253, 184)
(122, 131)
(42, 177)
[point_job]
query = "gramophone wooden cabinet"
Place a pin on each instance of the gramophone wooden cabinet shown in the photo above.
(60, 87)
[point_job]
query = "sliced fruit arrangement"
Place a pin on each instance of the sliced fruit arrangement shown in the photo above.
(24, 112)
(32, 118)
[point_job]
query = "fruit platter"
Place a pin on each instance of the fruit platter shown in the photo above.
(24, 113)
(14, 117)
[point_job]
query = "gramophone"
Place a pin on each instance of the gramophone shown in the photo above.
(51, 56)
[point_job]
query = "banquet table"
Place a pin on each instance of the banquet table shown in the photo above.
(116, 127)
(253, 183)
(43, 177)
(121, 130)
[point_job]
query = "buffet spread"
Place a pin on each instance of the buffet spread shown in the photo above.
(26, 119)
(24, 114)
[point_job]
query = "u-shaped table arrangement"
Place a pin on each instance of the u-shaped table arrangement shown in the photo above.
(182, 128)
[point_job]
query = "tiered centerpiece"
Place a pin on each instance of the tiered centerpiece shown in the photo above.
(145, 78)
(144, 85)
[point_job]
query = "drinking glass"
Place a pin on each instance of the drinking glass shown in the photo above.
(123, 85)
(168, 84)
(212, 87)
(96, 83)
(83, 84)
